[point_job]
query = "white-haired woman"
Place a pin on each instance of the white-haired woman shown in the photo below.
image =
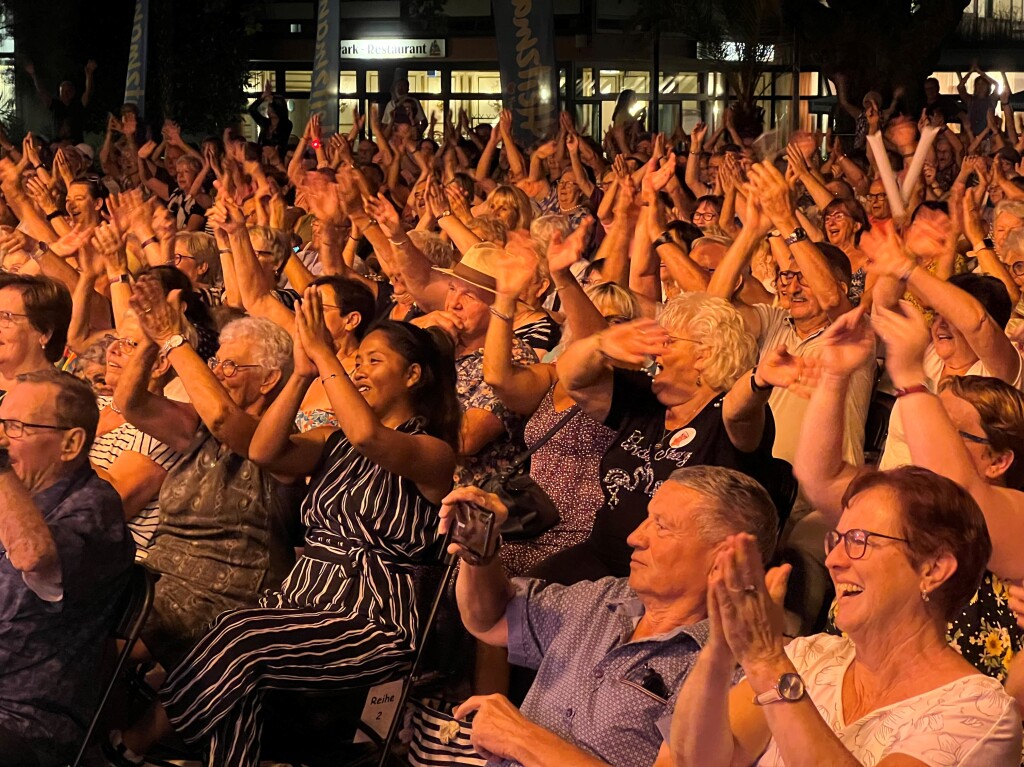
(704, 405)
(220, 543)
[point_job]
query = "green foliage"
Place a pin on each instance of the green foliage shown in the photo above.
(199, 61)
(198, 56)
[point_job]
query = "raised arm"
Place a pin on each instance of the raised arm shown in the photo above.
(585, 368)
(936, 444)
(774, 196)
(961, 310)
(229, 424)
(520, 387)
(819, 466)
(24, 534)
(698, 187)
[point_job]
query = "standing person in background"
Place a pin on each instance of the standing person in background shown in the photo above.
(403, 108)
(275, 127)
(68, 112)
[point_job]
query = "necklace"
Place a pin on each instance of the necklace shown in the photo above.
(691, 413)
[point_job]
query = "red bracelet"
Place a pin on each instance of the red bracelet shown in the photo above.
(915, 389)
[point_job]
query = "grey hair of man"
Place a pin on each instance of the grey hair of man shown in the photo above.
(738, 505)
(271, 344)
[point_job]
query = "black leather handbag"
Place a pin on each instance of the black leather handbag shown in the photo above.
(530, 510)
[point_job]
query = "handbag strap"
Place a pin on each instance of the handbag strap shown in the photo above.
(525, 455)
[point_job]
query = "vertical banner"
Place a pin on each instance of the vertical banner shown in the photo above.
(323, 97)
(526, 60)
(135, 82)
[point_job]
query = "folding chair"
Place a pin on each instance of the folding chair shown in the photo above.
(133, 609)
(288, 714)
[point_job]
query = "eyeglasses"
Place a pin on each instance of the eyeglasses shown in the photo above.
(617, 319)
(785, 278)
(15, 429)
(855, 541)
(1017, 267)
(705, 216)
(838, 216)
(7, 319)
(179, 257)
(126, 345)
(875, 197)
(684, 338)
(228, 367)
(974, 438)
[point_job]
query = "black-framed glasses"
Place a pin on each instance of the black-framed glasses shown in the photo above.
(1017, 267)
(705, 216)
(15, 429)
(875, 197)
(974, 438)
(179, 257)
(787, 277)
(855, 541)
(7, 319)
(228, 367)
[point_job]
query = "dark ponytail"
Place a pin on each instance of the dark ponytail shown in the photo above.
(433, 396)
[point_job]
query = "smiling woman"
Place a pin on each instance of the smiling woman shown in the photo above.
(34, 316)
(908, 551)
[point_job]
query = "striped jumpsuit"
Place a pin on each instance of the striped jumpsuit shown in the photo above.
(344, 617)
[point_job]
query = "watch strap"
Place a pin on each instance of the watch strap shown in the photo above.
(663, 239)
(173, 343)
(796, 236)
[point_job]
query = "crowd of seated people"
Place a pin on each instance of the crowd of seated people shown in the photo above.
(776, 404)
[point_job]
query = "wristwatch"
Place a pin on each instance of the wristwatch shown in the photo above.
(798, 234)
(664, 239)
(172, 343)
(789, 689)
(41, 250)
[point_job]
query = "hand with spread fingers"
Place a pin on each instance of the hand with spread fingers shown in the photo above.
(847, 344)
(159, 316)
(777, 367)
(633, 344)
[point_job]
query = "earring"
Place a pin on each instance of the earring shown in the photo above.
(699, 382)
(924, 595)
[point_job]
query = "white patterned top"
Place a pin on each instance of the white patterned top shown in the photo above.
(969, 722)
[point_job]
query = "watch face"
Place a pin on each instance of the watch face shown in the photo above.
(791, 687)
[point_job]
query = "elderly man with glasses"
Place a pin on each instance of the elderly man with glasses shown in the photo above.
(64, 556)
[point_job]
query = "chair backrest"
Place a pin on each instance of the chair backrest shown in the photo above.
(133, 608)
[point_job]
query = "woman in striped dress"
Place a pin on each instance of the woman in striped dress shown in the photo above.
(346, 615)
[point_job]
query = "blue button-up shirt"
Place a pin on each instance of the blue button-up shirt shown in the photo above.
(50, 652)
(597, 688)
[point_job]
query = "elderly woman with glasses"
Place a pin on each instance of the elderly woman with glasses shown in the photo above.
(677, 392)
(221, 541)
(971, 431)
(134, 462)
(907, 553)
(35, 313)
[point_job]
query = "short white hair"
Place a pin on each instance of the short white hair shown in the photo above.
(720, 329)
(270, 343)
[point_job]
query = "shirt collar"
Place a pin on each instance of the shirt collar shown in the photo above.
(788, 319)
(51, 497)
(632, 609)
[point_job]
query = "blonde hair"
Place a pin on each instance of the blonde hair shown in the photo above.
(437, 251)
(203, 248)
(1001, 410)
(718, 327)
(489, 229)
(612, 298)
(277, 242)
(544, 227)
(516, 198)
